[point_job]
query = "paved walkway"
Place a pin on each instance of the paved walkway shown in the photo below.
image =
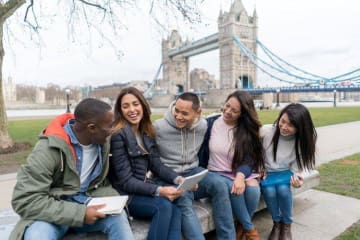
(317, 215)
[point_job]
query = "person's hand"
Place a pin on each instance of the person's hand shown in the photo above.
(92, 214)
(296, 180)
(181, 180)
(194, 188)
(238, 186)
(263, 174)
(170, 192)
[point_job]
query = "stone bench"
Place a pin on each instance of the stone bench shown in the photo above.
(140, 228)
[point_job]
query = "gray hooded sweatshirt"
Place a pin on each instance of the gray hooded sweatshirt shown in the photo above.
(178, 148)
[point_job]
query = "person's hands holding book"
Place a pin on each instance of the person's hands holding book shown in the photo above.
(193, 189)
(170, 192)
(92, 214)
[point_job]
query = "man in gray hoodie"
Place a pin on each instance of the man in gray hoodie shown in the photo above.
(179, 136)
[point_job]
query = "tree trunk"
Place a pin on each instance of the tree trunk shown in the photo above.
(6, 10)
(5, 140)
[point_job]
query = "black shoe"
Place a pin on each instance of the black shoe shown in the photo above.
(275, 232)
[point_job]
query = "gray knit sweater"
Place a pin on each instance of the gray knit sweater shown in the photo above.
(178, 148)
(285, 155)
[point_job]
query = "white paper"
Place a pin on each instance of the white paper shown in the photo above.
(114, 204)
(190, 181)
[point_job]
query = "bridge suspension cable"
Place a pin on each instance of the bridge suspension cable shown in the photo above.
(338, 78)
(254, 58)
(148, 93)
(278, 65)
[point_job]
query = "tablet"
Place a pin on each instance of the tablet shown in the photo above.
(190, 181)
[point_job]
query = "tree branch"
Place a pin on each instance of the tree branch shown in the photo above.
(93, 5)
(31, 7)
(9, 8)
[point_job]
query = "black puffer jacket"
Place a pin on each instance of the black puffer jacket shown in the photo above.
(129, 164)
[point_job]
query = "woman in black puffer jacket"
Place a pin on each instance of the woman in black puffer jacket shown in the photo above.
(134, 153)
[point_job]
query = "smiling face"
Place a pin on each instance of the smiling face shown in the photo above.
(184, 114)
(285, 126)
(131, 109)
(231, 111)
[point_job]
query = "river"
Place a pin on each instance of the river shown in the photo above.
(36, 113)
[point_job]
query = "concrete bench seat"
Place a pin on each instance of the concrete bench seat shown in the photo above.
(140, 228)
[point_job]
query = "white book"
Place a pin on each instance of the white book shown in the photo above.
(113, 204)
(190, 181)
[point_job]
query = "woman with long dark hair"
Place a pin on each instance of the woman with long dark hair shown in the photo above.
(232, 148)
(289, 147)
(134, 153)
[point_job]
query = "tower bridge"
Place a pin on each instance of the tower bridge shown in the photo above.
(238, 43)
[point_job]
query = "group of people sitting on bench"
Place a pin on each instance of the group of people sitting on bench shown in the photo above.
(99, 151)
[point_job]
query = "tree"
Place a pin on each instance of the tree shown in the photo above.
(94, 16)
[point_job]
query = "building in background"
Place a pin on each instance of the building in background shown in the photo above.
(9, 90)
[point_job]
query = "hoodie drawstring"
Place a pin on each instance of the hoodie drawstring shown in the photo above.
(182, 146)
(61, 161)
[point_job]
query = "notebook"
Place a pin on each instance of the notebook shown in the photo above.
(114, 204)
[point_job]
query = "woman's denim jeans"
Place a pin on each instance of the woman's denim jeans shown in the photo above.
(165, 216)
(214, 187)
(244, 205)
(278, 199)
(115, 226)
(211, 186)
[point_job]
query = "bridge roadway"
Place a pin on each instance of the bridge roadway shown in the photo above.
(200, 46)
(305, 89)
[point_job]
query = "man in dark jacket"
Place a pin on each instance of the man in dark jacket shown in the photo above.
(67, 167)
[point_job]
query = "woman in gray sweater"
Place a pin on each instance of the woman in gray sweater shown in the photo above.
(289, 147)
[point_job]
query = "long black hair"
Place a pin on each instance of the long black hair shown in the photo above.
(246, 142)
(305, 136)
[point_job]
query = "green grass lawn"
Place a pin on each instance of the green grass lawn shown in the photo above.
(342, 177)
(28, 130)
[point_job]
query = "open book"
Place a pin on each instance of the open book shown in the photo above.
(114, 204)
(190, 181)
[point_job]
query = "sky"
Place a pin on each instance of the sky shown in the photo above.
(318, 36)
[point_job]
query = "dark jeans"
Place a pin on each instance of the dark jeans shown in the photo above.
(166, 216)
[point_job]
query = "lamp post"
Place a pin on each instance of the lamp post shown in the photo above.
(334, 97)
(67, 92)
(278, 97)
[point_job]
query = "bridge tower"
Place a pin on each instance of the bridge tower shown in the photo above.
(175, 69)
(236, 70)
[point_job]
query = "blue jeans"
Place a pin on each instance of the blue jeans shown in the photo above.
(115, 226)
(214, 187)
(190, 224)
(165, 216)
(244, 205)
(278, 199)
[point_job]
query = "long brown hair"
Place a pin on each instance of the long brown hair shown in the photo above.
(246, 142)
(145, 126)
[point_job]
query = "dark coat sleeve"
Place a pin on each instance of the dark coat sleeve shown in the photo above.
(122, 173)
(203, 153)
